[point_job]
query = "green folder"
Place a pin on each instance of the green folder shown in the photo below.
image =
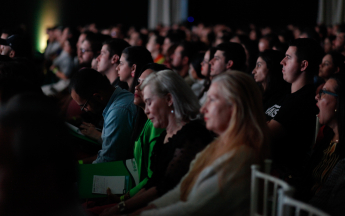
(87, 171)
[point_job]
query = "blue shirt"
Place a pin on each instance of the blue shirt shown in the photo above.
(119, 117)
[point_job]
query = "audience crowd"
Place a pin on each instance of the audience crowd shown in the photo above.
(195, 106)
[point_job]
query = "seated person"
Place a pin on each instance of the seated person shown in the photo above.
(170, 104)
(328, 151)
(62, 67)
(228, 56)
(218, 182)
(293, 127)
(93, 93)
(131, 62)
(109, 59)
(268, 73)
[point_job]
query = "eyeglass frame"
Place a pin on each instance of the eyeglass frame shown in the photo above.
(83, 107)
(84, 50)
(322, 91)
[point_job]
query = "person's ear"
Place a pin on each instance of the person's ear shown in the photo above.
(115, 59)
(304, 65)
(12, 54)
(133, 68)
(229, 64)
(185, 60)
(337, 70)
(169, 99)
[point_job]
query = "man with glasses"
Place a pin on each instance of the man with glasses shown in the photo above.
(90, 48)
(93, 93)
(294, 117)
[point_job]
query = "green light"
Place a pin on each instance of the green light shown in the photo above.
(48, 16)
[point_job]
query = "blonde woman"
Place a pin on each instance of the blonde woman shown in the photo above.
(218, 182)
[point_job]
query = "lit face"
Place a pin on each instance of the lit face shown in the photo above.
(176, 57)
(157, 108)
(80, 41)
(138, 95)
(104, 60)
(134, 39)
(263, 45)
(327, 45)
(218, 64)
(260, 71)
(166, 45)
(327, 104)
(86, 54)
(291, 66)
(151, 45)
(217, 111)
(5, 50)
(339, 42)
(326, 68)
(124, 69)
(205, 64)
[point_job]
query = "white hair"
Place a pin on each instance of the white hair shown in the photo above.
(185, 103)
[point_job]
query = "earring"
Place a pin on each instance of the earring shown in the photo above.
(335, 110)
(172, 111)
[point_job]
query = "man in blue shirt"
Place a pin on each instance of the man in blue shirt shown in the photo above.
(93, 93)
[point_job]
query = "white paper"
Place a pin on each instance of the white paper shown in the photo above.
(132, 168)
(74, 128)
(116, 184)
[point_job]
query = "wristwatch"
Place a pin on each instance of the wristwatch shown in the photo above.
(122, 206)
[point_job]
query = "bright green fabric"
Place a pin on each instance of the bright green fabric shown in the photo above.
(147, 134)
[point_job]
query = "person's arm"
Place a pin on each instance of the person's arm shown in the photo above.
(89, 160)
(61, 75)
(277, 131)
(118, 124)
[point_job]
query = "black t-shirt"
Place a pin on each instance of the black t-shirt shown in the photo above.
(272, 98)
(297, 114)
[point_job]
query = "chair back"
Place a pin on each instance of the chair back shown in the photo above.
(269, 190)
(286, 204)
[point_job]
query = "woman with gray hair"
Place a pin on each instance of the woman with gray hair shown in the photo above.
(171, 104)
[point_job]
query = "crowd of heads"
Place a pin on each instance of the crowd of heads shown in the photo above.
(237, 68)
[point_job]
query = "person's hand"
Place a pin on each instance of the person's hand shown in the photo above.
(110, 211)
(112, 198)
(90, 130)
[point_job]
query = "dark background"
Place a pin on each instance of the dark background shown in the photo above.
(235, 13)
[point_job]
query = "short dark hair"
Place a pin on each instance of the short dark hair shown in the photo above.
(87, 81)
(308, 49)
(95, 41)
(235, 52)
(116, 46)
(338, 60)
(189, 50)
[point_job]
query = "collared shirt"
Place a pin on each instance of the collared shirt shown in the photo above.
(119, 117)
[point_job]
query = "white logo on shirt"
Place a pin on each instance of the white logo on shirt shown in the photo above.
(272, 111)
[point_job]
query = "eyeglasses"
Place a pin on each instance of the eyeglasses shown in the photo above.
(327, 92)
(204, 62)
(84, 50)
(84, 106)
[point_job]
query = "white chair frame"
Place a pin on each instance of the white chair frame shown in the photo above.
(277, 184)
(286, 204)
